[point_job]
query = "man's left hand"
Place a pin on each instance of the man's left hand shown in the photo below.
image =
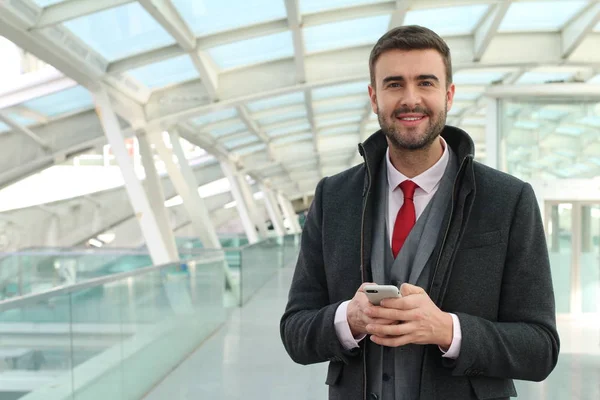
(420, 321)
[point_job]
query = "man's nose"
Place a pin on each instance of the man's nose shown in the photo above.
(411, 97)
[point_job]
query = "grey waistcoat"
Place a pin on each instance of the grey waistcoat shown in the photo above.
(395, 373)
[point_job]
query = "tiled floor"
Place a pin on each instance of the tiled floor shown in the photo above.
(246, 360)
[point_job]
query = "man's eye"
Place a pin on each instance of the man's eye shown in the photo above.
(394, 85)
(426, 83)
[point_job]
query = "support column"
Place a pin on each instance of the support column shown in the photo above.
(240, 201)
(157, 247)
(586, 229)
(186, 186)
(492, 134)
(555, 240)
(259, 221)
(289, 213)
(273, 210)
(156, 195)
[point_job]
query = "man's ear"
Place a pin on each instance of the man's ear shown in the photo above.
(373, 98)
(450, 96)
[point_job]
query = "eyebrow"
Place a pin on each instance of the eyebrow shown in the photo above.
(400, 78)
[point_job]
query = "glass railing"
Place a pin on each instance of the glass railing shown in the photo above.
(39, 269)
(113, 337)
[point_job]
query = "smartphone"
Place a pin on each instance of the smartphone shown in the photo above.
(376, 293)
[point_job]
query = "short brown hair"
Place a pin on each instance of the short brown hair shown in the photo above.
(411, 37)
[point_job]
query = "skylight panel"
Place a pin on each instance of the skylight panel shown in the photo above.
(288, 129)
(120, 32)
(229, 129)
(46, 3)
(253, 51)
(313, 6)
(330, 121)
(166, 72)
(345, 89)
(251, 149)
(532, 16)
(281, 117)
(209, 16)
(354, 105)
(66, 101)
(349, 33)
(292, 138)
(448, 21)
(349, 129)
(230, 144)
(276, 102)
(215, 116)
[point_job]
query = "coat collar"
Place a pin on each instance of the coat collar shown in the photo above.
(373, 149)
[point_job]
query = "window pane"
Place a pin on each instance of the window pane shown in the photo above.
(540, 15)
(313, 6)
(354, 32)
(167, 72)
(207, 17)
(253, 51)
(120, 32)
(70, 100)
(276, 102)
(215, 116)
(448, 21)
(345, 89)
(281, 117)
(46, 3)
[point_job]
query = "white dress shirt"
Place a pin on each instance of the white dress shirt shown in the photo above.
(428, 183)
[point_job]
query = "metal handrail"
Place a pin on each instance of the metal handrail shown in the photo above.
(67, 289)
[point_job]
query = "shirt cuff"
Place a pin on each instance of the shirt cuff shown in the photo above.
(342, 328)
(454, 350)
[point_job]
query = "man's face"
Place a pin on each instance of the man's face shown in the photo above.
(410, 97)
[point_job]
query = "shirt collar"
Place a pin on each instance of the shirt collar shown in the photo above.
(427, 180)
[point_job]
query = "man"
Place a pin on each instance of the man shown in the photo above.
(464, 243)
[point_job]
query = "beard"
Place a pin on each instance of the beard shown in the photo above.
(407, 140)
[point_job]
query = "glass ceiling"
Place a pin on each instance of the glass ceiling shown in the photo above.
(120, 32)
(239, 33)
(66, 101)
(448, 21)
(208, 16)
(540, 15)
(349, 33)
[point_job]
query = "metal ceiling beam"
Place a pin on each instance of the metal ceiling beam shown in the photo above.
(488, 28)
(578, 29)
(311, 119)
(165, 13)
(25, 131)
(68, 10)
(549, 90)
(205, 141)
(398, 16)
(295, 23)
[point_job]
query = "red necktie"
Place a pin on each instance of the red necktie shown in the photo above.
(406, 217)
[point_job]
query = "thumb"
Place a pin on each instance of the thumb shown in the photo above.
(407, 289)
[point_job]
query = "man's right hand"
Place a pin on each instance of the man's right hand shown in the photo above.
(356, 313)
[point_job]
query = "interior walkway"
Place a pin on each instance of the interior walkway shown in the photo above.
(246, 360)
